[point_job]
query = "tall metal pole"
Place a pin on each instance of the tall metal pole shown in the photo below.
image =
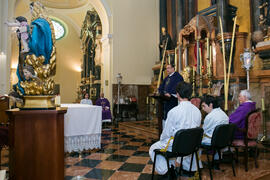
(247, 79)
(118, 97)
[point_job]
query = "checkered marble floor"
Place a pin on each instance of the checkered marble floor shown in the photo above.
(124, 155)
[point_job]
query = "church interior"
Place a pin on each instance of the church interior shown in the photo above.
(80, 79)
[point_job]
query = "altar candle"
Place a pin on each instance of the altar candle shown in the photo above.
(200, 61)
(263, 107)
(207, 47)
(147, 100)
(193, 71)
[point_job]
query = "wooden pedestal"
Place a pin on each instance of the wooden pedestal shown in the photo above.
(36, 144)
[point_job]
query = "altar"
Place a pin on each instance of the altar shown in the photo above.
(82, 127)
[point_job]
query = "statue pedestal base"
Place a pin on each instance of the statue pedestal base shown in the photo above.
(38, 102)
(36, 144)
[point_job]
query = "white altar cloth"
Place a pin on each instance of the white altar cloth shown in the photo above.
(82, 127)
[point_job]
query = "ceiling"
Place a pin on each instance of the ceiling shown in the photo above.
(64, 4)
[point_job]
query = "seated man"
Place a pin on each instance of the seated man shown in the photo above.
(86, 99)
(215, 117)
(106, 112)
(239, 115)
(184, 116)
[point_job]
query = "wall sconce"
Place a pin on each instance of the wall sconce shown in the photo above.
(247, 59)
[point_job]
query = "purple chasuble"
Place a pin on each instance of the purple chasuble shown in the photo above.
(238, 117)
(106, 112)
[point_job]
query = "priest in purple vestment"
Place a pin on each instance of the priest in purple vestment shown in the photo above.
(239, 116)
(104, 102)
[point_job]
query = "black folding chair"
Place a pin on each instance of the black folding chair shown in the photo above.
(222, 137)
(186, 142)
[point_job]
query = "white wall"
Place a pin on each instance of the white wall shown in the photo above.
(6, 10)
(68, 54)
(135, 39)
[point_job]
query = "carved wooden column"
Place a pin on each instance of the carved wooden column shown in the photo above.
(174, 21)
(192, 9)
(222, 12)
(180, 13)
(162, 14)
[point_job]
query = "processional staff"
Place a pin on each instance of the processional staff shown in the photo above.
(162, 64)
(227, 79)
(175, 58)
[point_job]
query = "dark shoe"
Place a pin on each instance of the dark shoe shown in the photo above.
(227, 157)
(187, 173)
(251, 153)
(216, 165)
(172, 173)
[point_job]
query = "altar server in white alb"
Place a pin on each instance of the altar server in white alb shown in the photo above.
(214, 117)
(86, 100)
(184, 116)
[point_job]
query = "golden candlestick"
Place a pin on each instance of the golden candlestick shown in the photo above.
(209, 72)
(193, 82)
(175, 59)
(201, 78)
(152, 101)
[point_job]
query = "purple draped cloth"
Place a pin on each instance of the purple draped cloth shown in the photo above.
(106, 112)
(238, 117)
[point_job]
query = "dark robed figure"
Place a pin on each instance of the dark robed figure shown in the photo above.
(167, 88)
(104, 102)
(164, 37)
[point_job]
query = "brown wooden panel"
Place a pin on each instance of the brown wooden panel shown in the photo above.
(4, 105)
(36, 144)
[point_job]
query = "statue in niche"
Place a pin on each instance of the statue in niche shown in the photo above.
(37, 60)
(88, 37)
(265, 19)
(164, 38)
